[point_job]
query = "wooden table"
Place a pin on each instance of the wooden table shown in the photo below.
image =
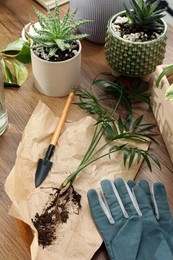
(21, 103)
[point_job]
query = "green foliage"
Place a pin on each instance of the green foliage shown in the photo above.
(165, 72)
(127, 130)
(137, 90)
(145, 15)
(54, 32)
(13, 58)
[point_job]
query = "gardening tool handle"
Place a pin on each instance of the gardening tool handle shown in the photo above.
(62, 119)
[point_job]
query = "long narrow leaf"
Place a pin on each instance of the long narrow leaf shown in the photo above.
(132, 156)
(137, 122)
(147, 161)
(164, 73)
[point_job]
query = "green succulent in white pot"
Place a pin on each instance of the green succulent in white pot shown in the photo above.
(136, 39)
(55, 52)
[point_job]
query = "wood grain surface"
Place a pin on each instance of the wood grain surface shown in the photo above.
(21, 103)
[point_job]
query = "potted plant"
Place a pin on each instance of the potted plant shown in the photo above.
(56, 52)
(136, 39)
(162, 105)
(13, 59)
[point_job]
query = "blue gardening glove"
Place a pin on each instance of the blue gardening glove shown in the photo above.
(159, 202)
(129, 229)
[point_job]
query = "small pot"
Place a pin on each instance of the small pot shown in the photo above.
(134, 58)
(56, 79)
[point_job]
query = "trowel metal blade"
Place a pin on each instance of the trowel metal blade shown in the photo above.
(43, 168)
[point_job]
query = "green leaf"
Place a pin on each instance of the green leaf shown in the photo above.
(115, 128)
(125, 156)
(21, 73)
(147, 161)
(8, 73)
(137, 122)
(132, 156)
(18, 50)
(109, 131)
(169, 93)
(128, 122)
(155, 160)
(55, 32)
(24, 55)
(139, 152)
(14, 47)
(120, 125)
(163, 73)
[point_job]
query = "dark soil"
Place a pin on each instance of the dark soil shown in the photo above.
(54, 213)
(43, 53)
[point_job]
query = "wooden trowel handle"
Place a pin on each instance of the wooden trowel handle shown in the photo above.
(62, 119)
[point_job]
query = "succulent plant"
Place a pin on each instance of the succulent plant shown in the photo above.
(139, 44)
(55, 33)
(145, 15)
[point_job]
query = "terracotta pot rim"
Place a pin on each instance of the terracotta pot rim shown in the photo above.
(136, 43)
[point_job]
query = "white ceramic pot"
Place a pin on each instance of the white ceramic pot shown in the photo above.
(56, 79)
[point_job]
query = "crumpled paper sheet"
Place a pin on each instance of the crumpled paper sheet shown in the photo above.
(78, 239)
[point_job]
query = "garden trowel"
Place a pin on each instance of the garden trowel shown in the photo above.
(44, 165)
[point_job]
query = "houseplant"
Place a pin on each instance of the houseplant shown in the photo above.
(136, 39)
(56, 52)
(99, 12)
(162, 104)
(13, 57)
